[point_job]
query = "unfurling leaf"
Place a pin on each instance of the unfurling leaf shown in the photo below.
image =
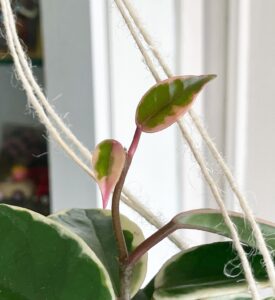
(168, 100)
(108, 162)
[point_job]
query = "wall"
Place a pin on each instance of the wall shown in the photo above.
(260, 162)
(68, 76)
(13, 102)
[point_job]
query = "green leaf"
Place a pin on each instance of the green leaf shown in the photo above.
(211, 220)
(40, 259)
(94, 226)
(108, 162)
(146, 293)
(167, 101)
(206, 271)
(141, 295)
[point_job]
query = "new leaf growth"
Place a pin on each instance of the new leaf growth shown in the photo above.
(108, 162)
(167, 101)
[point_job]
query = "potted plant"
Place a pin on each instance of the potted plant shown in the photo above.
(83, 254)
(101, 254)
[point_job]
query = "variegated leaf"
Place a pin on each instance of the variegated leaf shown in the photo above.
(211, 220)
(108, 162)
(41, 259)
(206, 271)
(168, 100)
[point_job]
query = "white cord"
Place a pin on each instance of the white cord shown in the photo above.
(259, 238)
(217, 195)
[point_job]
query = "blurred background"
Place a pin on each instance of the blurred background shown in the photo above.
(94, 75)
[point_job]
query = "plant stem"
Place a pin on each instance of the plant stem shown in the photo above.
(151, 242)
(134, 144)
(122, 249)
(125, 282)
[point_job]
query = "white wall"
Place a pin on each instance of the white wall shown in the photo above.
(68, 77)
(260, 161)
(13, 102)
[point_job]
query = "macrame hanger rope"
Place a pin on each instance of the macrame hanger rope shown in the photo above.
(217, 195)
(36, 96)
(213, 149)
(256, 231)
(122, 6)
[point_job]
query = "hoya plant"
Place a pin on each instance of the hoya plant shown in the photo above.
(85, 254)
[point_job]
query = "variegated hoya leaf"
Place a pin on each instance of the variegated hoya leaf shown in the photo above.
(206, 271)
(211, 220)
(41, 259)
(108, 162)
(168, 100)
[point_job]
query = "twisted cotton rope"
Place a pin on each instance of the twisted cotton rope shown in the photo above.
(30, 85)
(209, 179)
(217, 195)
(215, 152)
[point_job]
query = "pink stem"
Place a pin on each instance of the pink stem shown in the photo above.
(150, 242)
(134, 143)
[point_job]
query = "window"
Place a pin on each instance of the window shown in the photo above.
(92, 53)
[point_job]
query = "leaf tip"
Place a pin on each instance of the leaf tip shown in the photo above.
(210, 77)
(105, 194)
